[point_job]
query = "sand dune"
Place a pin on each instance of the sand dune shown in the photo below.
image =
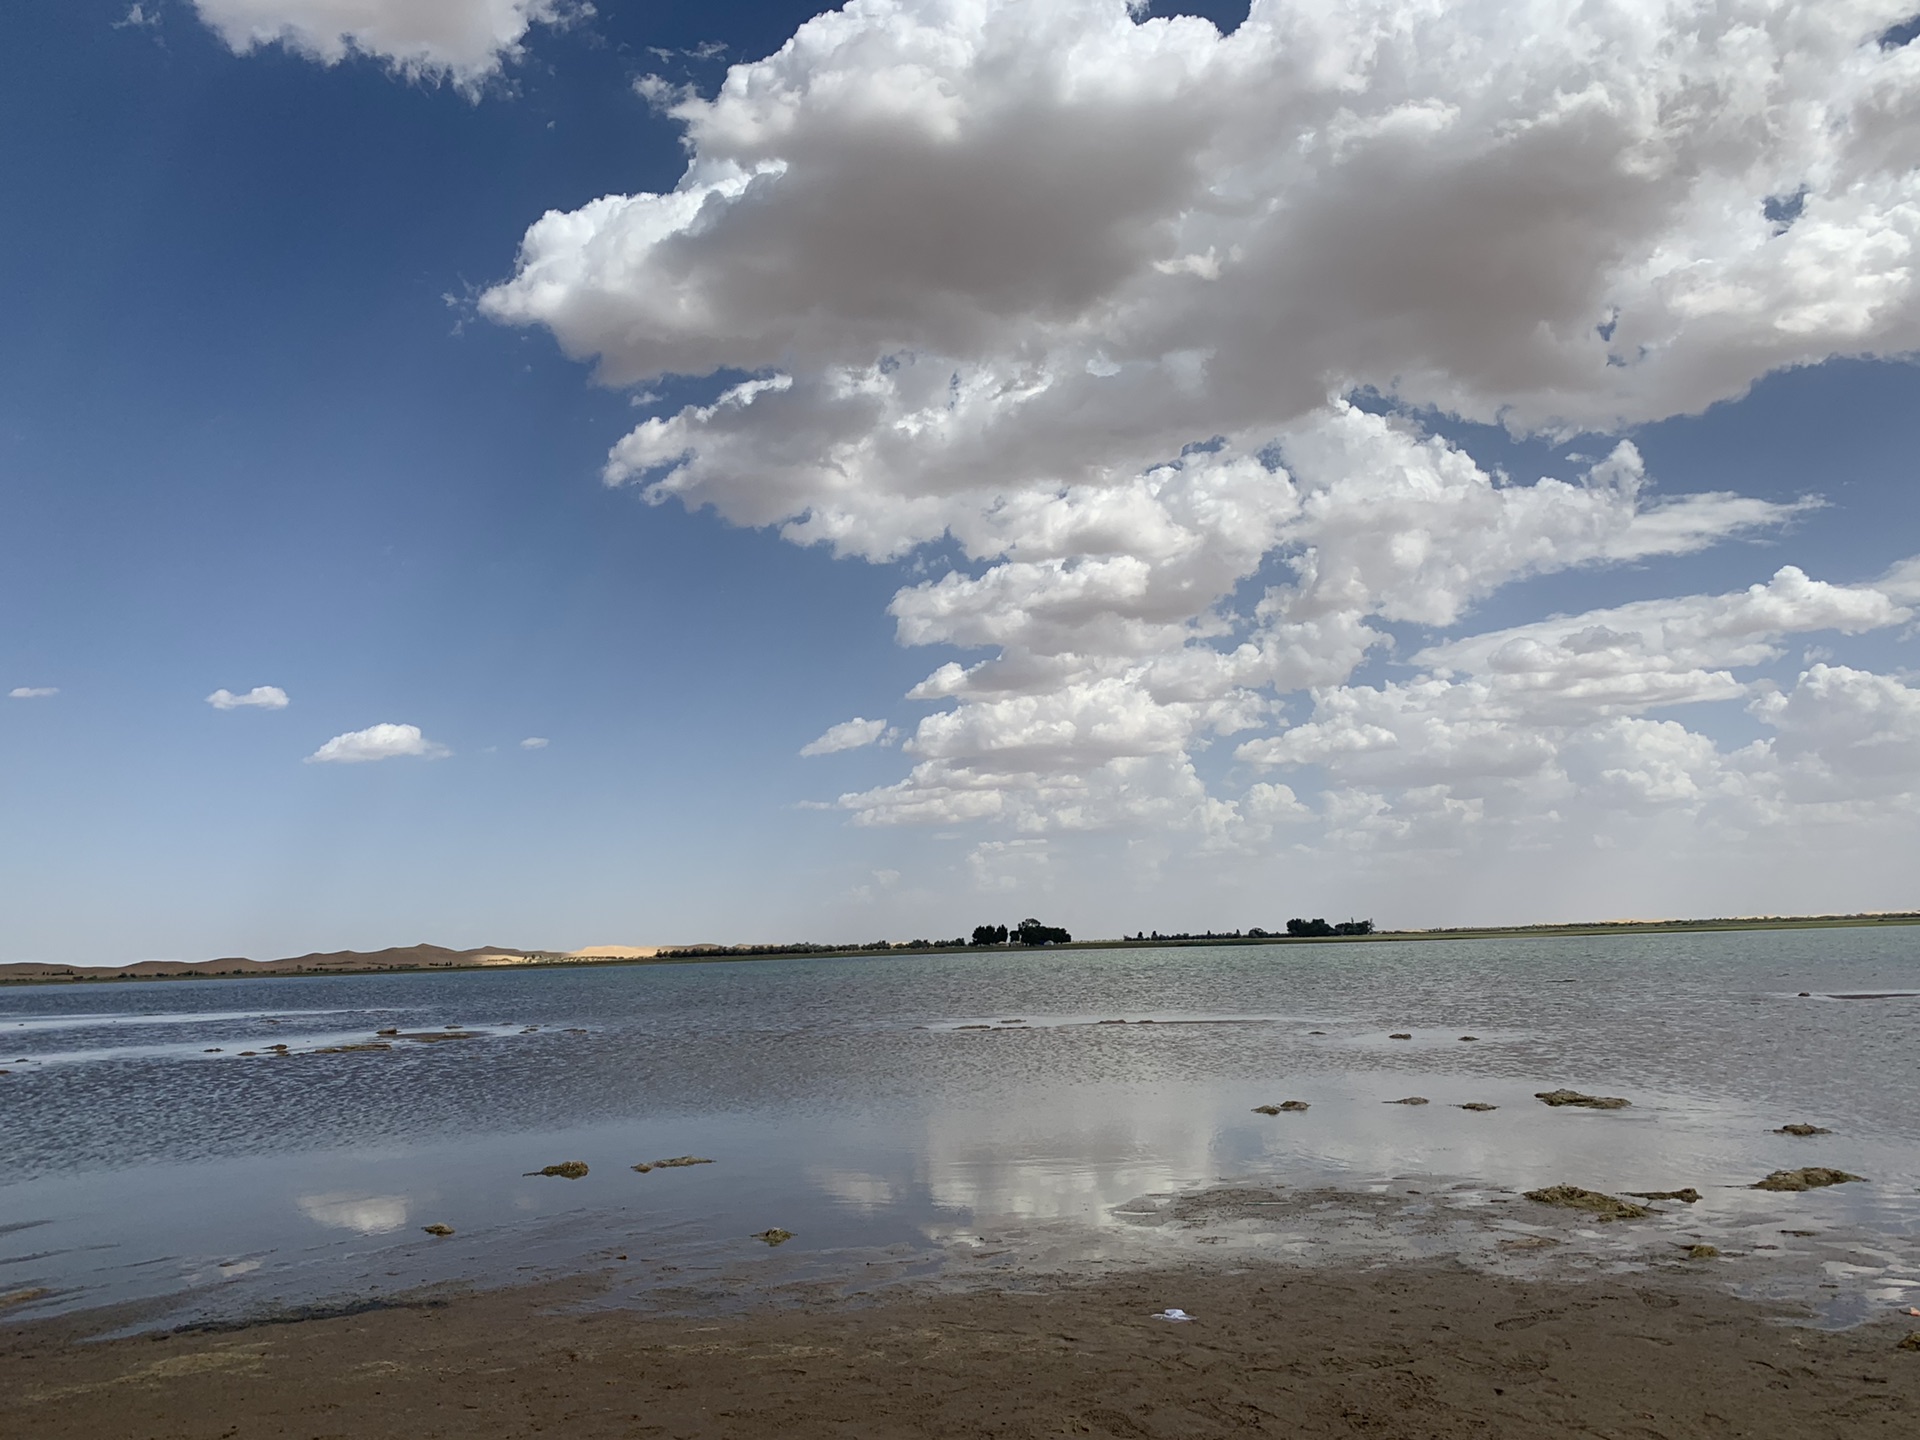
(398, 957)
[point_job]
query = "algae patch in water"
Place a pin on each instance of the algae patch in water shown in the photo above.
(1286, 1107)
(1479, 1105)
(1605, 1207)
(775, 1236)
(439, 1231)
(1407, 1100)
(1558, 1098)
(1811, 1177)
(1689, 1196)
(1703, 1252)
(1803, 1130)
(565, 1170)
(674, 1164)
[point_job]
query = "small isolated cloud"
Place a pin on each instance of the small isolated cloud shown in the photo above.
(139, 17)
(377, 742)
(465, 41)
(534, 742)
(32, 692)
(883, 880)
(261, 697)
(847, 735)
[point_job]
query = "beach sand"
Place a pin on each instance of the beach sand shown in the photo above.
(1406, 1353)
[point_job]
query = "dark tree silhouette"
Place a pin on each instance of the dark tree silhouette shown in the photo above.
(1306, 929)
(1032, 932)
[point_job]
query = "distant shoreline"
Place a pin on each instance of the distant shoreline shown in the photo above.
(433, 959)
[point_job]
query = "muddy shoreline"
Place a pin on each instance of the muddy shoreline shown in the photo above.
(1428, 1350)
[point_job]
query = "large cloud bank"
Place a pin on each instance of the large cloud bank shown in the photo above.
(460, 40)
(1092, 299)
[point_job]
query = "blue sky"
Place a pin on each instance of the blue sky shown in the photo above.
(283, 404)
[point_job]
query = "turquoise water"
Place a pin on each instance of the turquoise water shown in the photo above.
(853, 1102)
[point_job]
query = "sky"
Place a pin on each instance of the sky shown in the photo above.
(528, 473)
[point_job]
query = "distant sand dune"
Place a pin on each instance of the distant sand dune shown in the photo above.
(399, 957)
(615, 952)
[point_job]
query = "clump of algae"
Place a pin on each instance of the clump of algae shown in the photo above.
(1558, 1098)
(565, 1170)
(1604, 1207)
(1811, 1177)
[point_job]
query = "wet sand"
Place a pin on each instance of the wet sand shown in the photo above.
(1426, 1352)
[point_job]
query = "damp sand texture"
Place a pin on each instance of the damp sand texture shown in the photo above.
(1399, 1353)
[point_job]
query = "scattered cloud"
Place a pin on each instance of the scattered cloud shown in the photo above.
(1150, 324)
(139, 17)
(32, 692)
(261, 697)
(377, 742)
(662, 94)
(534, 742)
(848, 735)
(462, 41)
(879, 884)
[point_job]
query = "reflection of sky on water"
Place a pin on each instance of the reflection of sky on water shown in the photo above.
(844, 1101)
(249, 1043)
(12, 1022)
(362, 1214)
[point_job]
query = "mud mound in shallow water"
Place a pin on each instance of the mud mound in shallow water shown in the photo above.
(1811, 1177)
(1606, 1207)
(1558, 1098)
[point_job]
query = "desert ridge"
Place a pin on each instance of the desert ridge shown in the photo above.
(329, 962)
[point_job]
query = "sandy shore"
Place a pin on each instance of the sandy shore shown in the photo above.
(1432, 1352)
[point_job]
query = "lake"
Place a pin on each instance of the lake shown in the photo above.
(909, 1115)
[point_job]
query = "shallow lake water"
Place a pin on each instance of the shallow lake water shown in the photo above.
(914, 1115)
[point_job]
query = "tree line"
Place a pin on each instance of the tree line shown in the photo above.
(1027, 932)
(1297, 929)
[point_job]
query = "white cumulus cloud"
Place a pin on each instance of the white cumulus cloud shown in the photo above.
(377, 742)
(1148, 323)
(847, 735)
(534, 742)
(261, 697)
(32, 692)
(460, 40)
